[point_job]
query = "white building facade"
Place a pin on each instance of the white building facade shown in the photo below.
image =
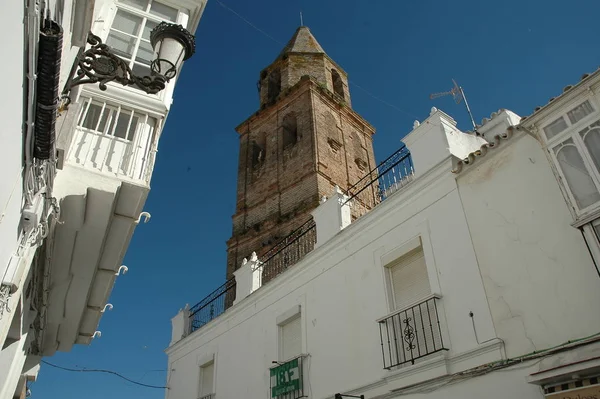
(71, 199)
(468, 280)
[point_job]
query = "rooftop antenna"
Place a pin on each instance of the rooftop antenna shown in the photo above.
(459, 95)
(301, 21)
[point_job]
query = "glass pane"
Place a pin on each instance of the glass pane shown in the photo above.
(91, 118)
(122, 124)
(580, 112)
(148, 28)
(578, 177)
(592, 142)
(139, 4)
(163, 12)
(122, 45)
(104, 118)
(145, 54)
(555, 127)
(126, 22)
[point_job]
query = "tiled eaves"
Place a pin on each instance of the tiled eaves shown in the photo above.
(584, 78)
(483, 150)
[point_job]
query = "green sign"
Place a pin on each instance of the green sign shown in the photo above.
(285, 378)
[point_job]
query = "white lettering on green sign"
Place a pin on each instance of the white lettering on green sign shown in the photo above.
(285, 378)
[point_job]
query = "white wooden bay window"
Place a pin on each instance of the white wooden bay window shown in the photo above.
(114, 139)
(129, 33)
(573, 141)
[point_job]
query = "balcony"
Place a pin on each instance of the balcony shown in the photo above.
(113, 140)
(388, 177)
(411, 334)
(213, 306)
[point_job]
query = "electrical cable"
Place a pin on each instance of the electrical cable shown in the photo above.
(280, 43)
(104, 371)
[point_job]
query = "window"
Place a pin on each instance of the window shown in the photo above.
(129, 34)
(580, 112)
(338, 84)
(257, 155)
(359, 152)
(290, 335)
(555, 127)
(274, 86)
(112, 120)
(408, 279)
(576, 150)
(207, 376)
(576, 174)
(290, 131)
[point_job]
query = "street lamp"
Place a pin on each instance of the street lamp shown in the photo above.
(172, 44)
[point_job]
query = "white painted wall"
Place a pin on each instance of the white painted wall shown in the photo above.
(539, 276)
(497, 243)
(340, 287)
(11, 130)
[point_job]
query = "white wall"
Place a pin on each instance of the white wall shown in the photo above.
(539, 277)
(11, 129)
(341, 289)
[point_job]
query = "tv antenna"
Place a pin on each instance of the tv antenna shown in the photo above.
(459, 95)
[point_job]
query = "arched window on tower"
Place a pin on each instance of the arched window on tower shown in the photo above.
(258, 146)
(258, 155)
(359, 151)
(338, 84)
(290, 131)
(274, 85)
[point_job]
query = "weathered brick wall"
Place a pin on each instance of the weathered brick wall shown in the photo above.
(329, 65)
(334, 147)
(305, 64)
(273, 195)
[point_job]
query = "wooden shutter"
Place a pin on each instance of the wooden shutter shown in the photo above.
(207, 378)
(409, 279)
(291, 339)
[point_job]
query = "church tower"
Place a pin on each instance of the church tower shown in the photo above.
(303, 141)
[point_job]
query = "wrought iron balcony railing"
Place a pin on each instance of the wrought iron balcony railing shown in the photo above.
(386, 178)
(288, 251)
(213, 305)
(411, 334)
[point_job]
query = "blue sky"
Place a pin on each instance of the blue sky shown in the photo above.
(510, 54)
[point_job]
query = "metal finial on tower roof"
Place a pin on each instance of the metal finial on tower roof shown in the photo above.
(301, 20)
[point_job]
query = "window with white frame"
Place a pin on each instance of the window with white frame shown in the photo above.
(290, 338)
(574, 142)
(207, 377)
(129, 34)
(408, 279)
(112, 120)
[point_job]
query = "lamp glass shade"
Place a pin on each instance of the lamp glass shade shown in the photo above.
(172, 44)
(170, 53)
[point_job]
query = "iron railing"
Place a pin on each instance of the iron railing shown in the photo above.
(287, 380)
(411, 334)
(288, 251)
(213, 305)
(379, 183)
(209, 396)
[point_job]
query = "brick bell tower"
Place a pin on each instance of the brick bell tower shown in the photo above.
(303, 141)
